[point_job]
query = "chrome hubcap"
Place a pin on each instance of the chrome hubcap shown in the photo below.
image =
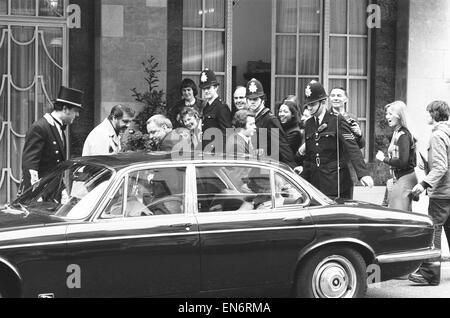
(334, 277)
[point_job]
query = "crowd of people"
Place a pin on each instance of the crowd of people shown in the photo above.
(319, 139)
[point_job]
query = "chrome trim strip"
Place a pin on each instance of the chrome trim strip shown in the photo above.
(90, 240)
(314, 247)
(10, 266)
(257, 229)
(114, 238)
(209, 232)
(417, 255)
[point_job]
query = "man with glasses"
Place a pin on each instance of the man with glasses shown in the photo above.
(105, 138)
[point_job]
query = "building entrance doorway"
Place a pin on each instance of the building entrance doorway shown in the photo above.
(252, 43)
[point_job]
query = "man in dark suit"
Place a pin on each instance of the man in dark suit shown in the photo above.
(216, 115)
(269, 130)
(165, 138)
(328, 137)
(45, 143)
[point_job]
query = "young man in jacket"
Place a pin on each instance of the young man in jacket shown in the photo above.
(437, 184)
(269, 130)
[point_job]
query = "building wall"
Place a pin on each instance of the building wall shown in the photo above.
(429, 58)
(82, 73)
(130, 32)
(383, 79)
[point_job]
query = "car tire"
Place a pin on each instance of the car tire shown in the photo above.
(332, 272)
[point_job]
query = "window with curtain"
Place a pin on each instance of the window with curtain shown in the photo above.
(298, 46)
(32, 68)
(331, 47)
(204, 39)
(349, 42)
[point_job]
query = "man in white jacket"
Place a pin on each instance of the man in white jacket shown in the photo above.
(105, 138)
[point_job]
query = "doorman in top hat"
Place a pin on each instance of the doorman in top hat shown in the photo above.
(216, 115)
(266, 120)
(328, 136)
(45, 142)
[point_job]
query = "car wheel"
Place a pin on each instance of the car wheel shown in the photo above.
(332, 272)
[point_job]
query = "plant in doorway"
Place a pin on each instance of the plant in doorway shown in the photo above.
(153, 104)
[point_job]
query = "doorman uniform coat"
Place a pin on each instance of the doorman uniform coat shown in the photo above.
(43, 150)
(103, 140)
(320, 164)
(217, 115)
(265, 119)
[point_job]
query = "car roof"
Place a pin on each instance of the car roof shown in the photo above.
(124, 160)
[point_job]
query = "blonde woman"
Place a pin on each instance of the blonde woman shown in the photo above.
(401, 157)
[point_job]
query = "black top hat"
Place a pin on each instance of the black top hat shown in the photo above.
(254, 89)
(69, 96)
(208, 79)
(314, 92)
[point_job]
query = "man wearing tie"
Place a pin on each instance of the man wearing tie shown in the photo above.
(45, 143)
(216, 115)
(240, 143)
(328, 136)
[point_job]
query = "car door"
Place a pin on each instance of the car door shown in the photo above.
(145, 241)
(240, 242)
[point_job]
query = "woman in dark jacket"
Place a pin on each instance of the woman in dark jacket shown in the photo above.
(189, 99)
(401, 158)
(288, 116)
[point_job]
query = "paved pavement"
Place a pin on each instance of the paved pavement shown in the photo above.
(407, 289)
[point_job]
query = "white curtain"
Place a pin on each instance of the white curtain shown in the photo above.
(214, 40)
(301, 18)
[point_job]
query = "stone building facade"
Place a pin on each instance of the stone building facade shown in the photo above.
(406, 58)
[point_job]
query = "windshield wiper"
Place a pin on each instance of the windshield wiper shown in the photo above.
(12, 209)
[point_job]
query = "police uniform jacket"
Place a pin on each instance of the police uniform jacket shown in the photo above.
(320, 163)
(103, 140)
(265, 119)
(43, 149)
(217, 115)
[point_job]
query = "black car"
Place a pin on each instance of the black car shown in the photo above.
(153, 225)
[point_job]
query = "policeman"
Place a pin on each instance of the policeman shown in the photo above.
(266, 120)
(328, 136)
(216, 115)
(338, 105)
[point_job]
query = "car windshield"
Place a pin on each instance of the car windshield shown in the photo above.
(71, 192)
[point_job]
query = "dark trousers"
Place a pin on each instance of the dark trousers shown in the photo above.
(439, 211)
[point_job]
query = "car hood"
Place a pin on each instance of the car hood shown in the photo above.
(12, 221)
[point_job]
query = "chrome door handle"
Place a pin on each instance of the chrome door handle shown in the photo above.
(187, 226)
(293, 219)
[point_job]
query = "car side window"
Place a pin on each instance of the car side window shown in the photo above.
(286, 193)
(233, 188)
(159, 191)
(114, 209)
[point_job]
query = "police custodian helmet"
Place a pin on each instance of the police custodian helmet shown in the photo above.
(314, 92)
(254, 89)
(208, 79)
